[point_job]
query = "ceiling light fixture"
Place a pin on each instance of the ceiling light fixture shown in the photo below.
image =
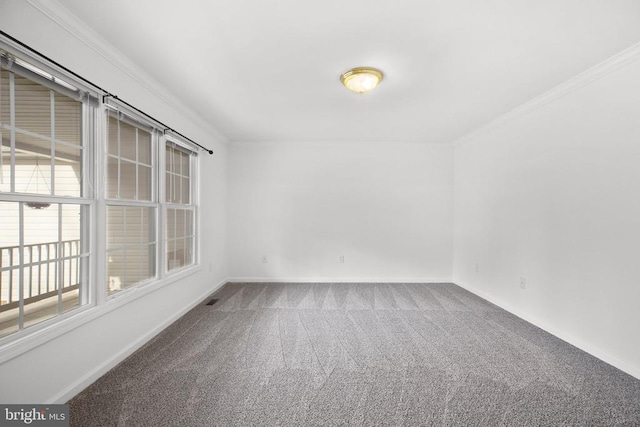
(361, 79)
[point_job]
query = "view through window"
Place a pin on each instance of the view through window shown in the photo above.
(55, 136)
(180, 230)
(131, 204)
(43, 248)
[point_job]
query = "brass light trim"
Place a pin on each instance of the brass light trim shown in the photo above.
(361, 79)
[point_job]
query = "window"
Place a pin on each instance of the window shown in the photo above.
(180, 209)
(131, 203)
(93, 197)
(44, 196)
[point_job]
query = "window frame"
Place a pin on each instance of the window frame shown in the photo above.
(85, 200)
(133, 119)
(193, 204)
(93, 198)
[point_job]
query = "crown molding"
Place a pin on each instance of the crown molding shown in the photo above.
(608, 66)
(59, 14)
(329, 143)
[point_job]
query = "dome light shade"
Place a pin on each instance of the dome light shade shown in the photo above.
(361, 79)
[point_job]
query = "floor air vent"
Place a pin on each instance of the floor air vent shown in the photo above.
(212, 301)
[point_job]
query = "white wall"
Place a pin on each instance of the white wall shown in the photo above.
(386, 207)
(57, 369)
(553, 196)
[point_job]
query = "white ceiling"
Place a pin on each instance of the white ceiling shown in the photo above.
(268, 70)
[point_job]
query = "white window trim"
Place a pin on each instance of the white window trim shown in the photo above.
(97, 303)
(154, 203)
(194, 182)
(86, 201)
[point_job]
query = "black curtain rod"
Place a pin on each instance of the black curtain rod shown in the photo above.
(105, 92)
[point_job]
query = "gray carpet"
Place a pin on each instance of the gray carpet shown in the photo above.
(357, 354)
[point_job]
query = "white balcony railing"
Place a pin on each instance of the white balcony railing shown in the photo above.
(46, 268)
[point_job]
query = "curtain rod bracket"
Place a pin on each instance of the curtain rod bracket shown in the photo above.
(10, 60)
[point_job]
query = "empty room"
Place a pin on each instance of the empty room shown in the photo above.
(245, 213)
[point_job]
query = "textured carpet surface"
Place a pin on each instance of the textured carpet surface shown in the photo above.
(357, 354)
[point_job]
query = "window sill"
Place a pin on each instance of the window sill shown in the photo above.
(40, 334)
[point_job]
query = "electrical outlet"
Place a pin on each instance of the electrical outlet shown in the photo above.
(264, 259)
(477, 267)
(341, 259)
(523, 283)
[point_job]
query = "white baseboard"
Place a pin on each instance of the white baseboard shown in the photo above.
(86, 380)
(339, 280)
(595, 352)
